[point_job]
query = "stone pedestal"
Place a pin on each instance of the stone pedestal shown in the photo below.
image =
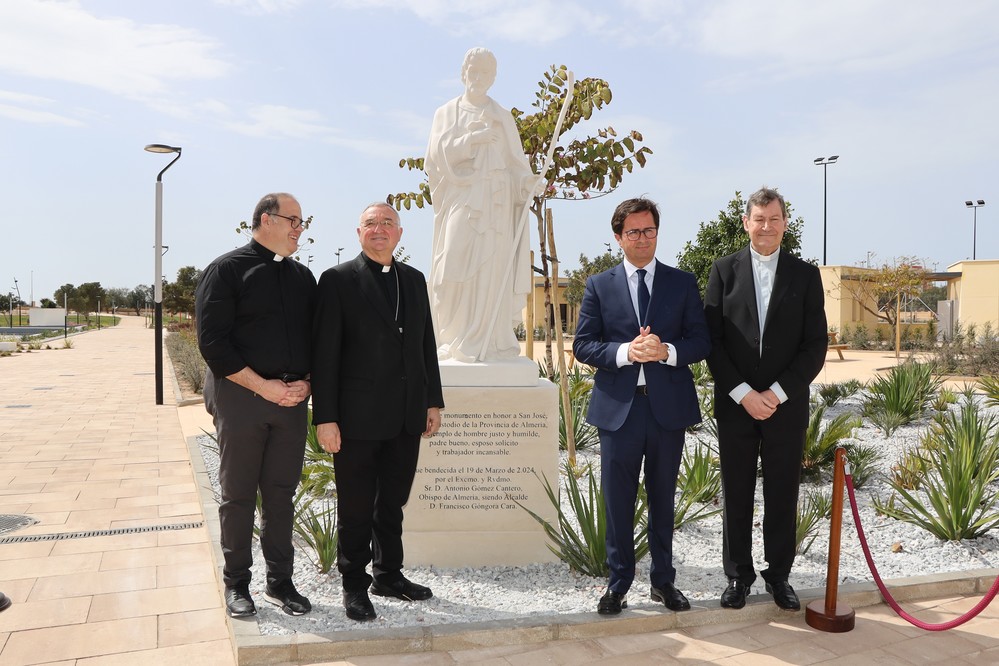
(495, 445)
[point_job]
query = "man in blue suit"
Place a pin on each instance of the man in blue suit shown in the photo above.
(641, 324)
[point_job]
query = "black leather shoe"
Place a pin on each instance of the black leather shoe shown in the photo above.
(238, 602)
(612, 603)
(4, 602)
(671, 597)
(358, 606)
(403, 589)
(735, 594)
(784, 595)
(285, 595)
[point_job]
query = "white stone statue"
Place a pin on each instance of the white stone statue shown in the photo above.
(480, 181)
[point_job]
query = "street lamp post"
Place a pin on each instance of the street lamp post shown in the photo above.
(158, 274)
(337, 253)
(974, 205)
(824, 162)
(18, 290)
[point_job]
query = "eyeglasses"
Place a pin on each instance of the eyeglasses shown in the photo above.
(296, 222)
(635, 234)
(387, 225)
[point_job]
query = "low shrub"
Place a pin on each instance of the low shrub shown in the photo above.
(188, 364)
(958, 498)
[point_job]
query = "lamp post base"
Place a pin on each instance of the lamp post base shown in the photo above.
(841, 621)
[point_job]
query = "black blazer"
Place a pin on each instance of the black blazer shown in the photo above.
(367, 377)
(794, 337)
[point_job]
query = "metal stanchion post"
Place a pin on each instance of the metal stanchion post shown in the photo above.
(829, 615)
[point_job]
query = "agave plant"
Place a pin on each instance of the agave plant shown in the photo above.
(901, 396)
(579, 539)
(820, 444)
(961, 501)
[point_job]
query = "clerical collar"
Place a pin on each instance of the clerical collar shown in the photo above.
(377, 267)
(264, 251)
(759, 257)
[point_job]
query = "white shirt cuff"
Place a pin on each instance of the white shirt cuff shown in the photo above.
(779, 392)
(622, 355)
(671, 359)
(740, 392)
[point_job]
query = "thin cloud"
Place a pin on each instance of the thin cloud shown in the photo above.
(36, 116)
(261, 6)
(62, 41)
(793, 39)
(534, 21)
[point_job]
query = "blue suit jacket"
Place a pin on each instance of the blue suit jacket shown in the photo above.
(607, 319)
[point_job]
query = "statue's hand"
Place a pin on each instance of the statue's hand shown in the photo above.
(487, 135)
(540, 186)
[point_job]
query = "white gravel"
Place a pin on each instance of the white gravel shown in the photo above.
(493, 593)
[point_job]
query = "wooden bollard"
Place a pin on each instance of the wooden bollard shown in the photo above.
(830, 615)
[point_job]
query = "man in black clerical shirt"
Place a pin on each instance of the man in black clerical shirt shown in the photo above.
(377, 388)
(254, 317)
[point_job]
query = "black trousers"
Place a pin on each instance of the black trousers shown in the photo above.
(743, 441)
(261, 445)
(373, 480)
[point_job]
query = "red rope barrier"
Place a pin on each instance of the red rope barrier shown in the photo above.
(956, 622)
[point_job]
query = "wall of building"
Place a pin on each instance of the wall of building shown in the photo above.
(976, 292)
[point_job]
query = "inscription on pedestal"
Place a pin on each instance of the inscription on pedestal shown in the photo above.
(479, 471)
(455, 484)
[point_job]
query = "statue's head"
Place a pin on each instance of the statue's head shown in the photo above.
(478, 71)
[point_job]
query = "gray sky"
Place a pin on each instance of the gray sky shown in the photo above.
(323, 97)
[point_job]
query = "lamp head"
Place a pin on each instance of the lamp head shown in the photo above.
(833, 159)
(969, 204)
(818, 160)
(981, 202)
(162, 148)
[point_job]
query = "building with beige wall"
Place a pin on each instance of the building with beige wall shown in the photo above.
(975, 292)
(536, 306)
(972, 285)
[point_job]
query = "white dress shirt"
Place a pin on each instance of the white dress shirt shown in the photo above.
(622, 352)
(764, 274)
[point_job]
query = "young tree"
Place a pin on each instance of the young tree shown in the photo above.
(117, 298)
(588, 267)
(64, 295)
(725, 235)
(139, 296)
(179, 296)
(882, 291)
(585, 168)
(88, 295)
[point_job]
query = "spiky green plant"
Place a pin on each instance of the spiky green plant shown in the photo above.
(901, 396)
(579, 539)
(863, 461)
(945, 398)
(317, 528)
(958, 499)
(698, 483)
(910, 470)
(812, 509)
(821, 443)
(990, 386)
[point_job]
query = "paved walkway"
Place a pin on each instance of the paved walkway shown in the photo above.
(84, 449)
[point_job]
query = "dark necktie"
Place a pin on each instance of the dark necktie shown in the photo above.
(643, 298)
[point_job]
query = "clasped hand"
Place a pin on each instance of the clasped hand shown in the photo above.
(647, 347)
(761, 405)
(286, 394)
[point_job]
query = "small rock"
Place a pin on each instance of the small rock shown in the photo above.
(897, 547)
